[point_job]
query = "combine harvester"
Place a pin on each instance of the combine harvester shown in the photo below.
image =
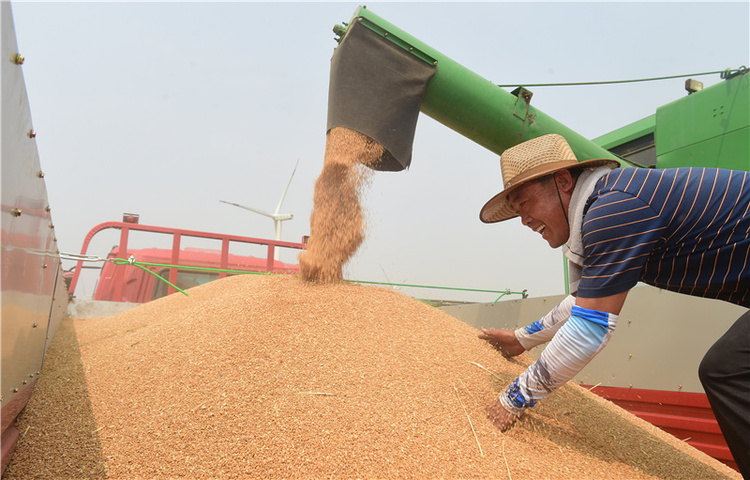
(647, 368)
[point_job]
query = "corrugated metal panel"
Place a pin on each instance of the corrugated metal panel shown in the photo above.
(30, 262)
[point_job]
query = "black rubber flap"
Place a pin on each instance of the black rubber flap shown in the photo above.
(376, 88)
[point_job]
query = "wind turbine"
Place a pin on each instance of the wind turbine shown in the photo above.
(276, 216)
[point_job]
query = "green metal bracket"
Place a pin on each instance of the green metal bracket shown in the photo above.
(523, 101)
(340, 31)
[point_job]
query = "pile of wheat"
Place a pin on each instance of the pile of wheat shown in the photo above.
(276, 377)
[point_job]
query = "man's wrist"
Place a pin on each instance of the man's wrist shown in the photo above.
(513, 400)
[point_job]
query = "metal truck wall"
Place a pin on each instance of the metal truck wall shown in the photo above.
(656, 328)
(31, 286)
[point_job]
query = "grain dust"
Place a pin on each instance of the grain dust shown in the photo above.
(276, 377)
(337, 224)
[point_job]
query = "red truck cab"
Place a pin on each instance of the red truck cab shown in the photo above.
(123, 278)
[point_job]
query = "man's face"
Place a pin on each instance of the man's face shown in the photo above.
(538, 205)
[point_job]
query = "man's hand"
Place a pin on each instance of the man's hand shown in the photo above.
(500, 417)
(504, 341)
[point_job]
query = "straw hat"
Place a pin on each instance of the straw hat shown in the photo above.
(532, 160)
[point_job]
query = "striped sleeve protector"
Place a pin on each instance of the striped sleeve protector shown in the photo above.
(584, 335)
(545, 328)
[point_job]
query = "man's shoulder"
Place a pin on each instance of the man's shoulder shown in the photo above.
(626, 176)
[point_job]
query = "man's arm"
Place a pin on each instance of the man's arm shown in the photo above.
(584, 335)
(612, 304)
(511, 343)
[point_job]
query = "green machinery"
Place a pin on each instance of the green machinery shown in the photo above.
(382, 77)
(708, 128)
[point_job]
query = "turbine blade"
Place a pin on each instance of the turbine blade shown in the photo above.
(278, 207)
(260, 212)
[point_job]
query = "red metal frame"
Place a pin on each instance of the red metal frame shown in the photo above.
(685, 415)
(177, 234)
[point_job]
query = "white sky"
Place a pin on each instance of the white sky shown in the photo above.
(163, 109)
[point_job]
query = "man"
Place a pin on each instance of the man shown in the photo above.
(684, 229)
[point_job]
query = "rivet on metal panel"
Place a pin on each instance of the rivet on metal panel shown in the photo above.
(630, 355)
(47, 208)
(679, 387)
(40, 174)
(51, 226)
(32, 133)
(16, 212)
(31, 375)
(24, 382)
(17, 59)
(44, 265)
(15, 390)
(34, 325)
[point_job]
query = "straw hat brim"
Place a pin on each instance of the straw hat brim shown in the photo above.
(498, 208)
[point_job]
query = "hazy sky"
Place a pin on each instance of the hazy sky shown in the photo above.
(163, 109)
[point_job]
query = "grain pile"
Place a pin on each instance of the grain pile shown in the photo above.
(276, 377)
(337, 226)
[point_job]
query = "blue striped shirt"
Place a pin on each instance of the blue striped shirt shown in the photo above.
(682, 229)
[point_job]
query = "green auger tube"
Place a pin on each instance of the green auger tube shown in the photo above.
(439, 87)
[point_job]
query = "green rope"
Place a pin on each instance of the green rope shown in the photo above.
(724, 74)
(501, 292)
(143, 265)
(122, 261)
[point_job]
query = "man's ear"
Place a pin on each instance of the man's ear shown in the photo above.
(565, 181)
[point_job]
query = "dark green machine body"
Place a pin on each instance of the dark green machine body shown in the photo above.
(710, 127)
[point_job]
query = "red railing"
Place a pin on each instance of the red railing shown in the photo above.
(177, 235)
